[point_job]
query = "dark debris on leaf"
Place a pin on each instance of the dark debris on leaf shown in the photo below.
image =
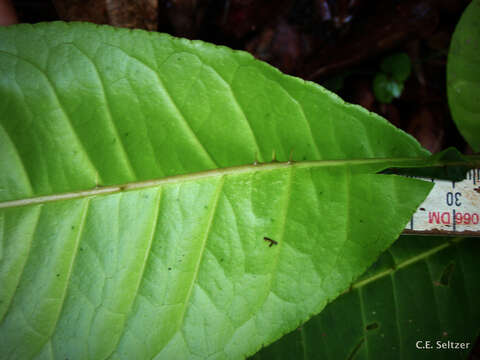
(372, 326)
(447, 274)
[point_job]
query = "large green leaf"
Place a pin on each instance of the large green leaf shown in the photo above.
(421, 289)
(463, 75)
(132, 217)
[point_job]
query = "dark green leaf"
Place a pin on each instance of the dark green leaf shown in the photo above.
(386, 88)
(397, 66)
(463, 75)
(421, 289)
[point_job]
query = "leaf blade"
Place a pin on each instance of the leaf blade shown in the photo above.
(207, 269)
(463, 77)
(142, 63)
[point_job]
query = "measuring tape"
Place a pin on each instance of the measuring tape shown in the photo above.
(451, 208)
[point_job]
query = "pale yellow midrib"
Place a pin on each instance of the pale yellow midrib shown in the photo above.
(202, 175)
(409, 261)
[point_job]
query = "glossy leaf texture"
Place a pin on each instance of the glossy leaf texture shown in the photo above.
(463, 75)
(133, 219)
(420, 289)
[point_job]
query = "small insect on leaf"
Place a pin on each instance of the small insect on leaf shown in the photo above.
(271, 241)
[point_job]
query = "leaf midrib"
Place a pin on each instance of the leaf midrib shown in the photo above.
(234, 170)
(407, 262)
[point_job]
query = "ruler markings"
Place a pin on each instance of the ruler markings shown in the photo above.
(452, 207)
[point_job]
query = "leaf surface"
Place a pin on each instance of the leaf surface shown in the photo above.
(133, 220)
(463, 75)
(420, 289)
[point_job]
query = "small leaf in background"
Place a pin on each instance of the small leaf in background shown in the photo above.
(388, 84)
(463, 75)
(386, 88)
(398, 66)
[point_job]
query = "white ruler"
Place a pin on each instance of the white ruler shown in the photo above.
(451, 208)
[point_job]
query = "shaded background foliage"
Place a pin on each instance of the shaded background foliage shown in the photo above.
(337, 43)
